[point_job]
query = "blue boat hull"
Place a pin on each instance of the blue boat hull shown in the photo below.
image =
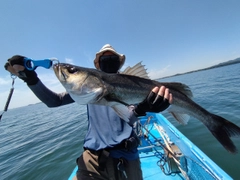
(165, 153)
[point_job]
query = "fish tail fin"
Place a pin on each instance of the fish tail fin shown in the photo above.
(223, 131)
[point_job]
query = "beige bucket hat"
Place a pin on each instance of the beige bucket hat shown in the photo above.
(108, 47)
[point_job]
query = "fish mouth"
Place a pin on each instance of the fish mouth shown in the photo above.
(64, 71)
(59, 71)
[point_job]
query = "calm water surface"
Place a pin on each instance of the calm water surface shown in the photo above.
(40, 143)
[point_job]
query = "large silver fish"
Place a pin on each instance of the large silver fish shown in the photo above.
(91, 86)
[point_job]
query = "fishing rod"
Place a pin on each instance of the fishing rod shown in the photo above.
(30, 65)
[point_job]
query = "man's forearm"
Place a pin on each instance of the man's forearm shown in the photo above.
(48, 97)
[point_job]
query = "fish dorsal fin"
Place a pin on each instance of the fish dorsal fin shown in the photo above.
(137, 70)
(180, 117)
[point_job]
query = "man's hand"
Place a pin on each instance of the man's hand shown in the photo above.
(158, 100)
(15, 65)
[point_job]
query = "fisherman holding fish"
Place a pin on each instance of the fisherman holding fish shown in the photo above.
(110, 145)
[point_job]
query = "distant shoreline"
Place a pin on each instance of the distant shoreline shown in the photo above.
(227, 63)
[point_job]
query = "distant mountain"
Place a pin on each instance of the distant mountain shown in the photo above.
(230, 62)
(235, 61)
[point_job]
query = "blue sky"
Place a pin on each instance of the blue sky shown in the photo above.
(168, 36)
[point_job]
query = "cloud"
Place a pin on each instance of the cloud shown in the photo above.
(69, 60)
(5, 81)
(21, 96)
(51, 82)
(155, 74)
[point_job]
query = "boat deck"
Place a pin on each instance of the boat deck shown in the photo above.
(152, 169)
(155, 160)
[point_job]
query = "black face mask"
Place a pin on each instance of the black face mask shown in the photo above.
(109, 63)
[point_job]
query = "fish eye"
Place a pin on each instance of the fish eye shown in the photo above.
(72, 70)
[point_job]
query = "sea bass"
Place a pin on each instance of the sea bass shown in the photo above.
(91, 86)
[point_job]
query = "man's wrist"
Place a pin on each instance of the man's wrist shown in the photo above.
(32, 81)
(139, 112)
(29, 77)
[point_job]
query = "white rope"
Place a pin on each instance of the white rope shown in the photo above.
(167, 141)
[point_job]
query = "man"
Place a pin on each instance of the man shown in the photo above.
(110, 145)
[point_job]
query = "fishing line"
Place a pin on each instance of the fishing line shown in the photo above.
(9, 96)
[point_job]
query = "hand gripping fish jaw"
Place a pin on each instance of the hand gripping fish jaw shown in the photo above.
(31, 64)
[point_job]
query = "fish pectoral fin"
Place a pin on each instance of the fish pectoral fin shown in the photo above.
(122, 111)
(180, 117)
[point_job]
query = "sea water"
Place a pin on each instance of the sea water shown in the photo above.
(41, 143)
